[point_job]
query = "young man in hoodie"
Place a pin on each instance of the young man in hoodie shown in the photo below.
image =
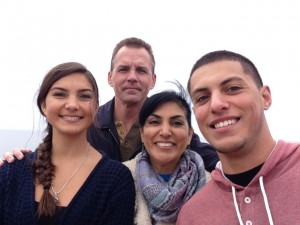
(256, 180)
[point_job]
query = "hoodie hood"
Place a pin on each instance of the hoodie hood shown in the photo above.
(277, 158)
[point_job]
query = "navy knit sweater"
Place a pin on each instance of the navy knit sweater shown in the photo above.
(107, 196)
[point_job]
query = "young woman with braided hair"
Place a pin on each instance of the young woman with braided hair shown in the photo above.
(66, 181)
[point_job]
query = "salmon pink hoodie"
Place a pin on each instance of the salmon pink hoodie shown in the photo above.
(272, 197)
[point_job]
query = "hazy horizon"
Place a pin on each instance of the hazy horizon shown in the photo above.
(11, 139)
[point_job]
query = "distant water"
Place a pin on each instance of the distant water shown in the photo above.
(11, 139)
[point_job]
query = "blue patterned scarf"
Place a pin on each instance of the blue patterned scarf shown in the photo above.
(166, 198)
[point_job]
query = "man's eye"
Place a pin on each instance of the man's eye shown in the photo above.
(142, 71)
(201, 99)
(122, 70)
(234, 89)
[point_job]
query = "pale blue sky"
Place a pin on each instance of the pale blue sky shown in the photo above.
(37, 35)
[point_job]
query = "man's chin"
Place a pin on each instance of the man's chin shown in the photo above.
(132, 100)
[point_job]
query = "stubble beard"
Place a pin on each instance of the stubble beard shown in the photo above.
(231, 148)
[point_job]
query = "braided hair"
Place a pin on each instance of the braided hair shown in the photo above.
(42, 164)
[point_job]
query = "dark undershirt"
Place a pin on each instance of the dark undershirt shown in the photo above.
(243, 179)
(46, 220)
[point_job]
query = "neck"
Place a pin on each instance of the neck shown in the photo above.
(127, 113)
(246, 159)
(68, 147)
(163, 168)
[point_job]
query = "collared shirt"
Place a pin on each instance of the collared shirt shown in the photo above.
(128, 140)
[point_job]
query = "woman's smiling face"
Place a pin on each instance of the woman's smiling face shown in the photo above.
(166, 134)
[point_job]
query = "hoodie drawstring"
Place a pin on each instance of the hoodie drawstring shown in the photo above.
(261, 183)
(236, 206)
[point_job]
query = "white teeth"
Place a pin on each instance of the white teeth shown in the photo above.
(164, 144)
(71, 118)
(225, 123)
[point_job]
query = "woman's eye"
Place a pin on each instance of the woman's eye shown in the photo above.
(153, 122)
(86, 97)
(178, 123)
(58, 94)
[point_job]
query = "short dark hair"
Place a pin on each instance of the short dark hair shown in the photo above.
(221, 55)
(132, 42)
(158, 99)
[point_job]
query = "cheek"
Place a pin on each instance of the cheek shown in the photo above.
(145, 135)
(200, 114)
(49, 109)
(92, 111)
(94, 108)
(50, 113)
(184, 138)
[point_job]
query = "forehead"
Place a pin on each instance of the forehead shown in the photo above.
(169, 109)
(128, 55)
(216, 72)
(77, 80)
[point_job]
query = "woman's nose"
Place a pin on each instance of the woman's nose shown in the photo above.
(165, 130)
(72, 103)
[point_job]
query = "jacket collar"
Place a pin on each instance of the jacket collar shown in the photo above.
(105, 115)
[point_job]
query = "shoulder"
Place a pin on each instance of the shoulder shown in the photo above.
(113, 168)
(108, 106)
(131, 164)
(112, 164)
(203, 196)
(110, 176)
(287, 146)
(18, 165)
(104, 113)
(12, 174)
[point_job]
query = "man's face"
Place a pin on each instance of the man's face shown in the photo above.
(228, 106)
(132, 76)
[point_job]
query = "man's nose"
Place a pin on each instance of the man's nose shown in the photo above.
(218, 102)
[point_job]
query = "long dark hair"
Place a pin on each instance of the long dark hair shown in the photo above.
(43, 166)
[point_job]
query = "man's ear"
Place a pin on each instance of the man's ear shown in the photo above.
(266, 97)
(153, 81)
(109, 80)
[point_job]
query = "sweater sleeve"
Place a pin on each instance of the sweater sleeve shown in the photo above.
(2, 191)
